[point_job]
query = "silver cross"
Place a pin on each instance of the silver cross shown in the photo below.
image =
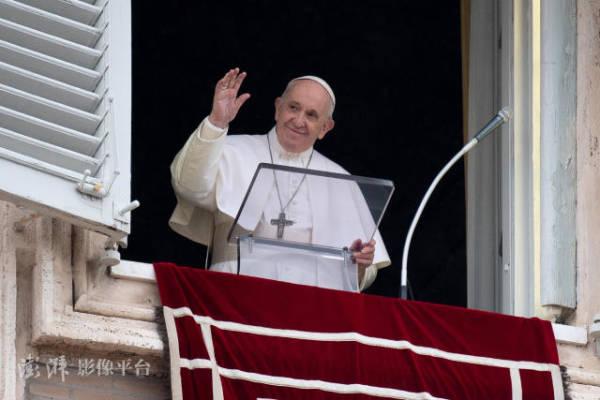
(281, 223)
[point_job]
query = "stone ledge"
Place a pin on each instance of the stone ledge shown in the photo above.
(97, 332)
(583, 377)
(566, 334)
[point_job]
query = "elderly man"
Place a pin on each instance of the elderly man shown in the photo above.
(213, 170)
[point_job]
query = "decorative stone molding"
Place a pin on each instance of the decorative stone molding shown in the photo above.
(583, 377)
(583, 384)
(96, 292)
(55, 300)
(79, 305)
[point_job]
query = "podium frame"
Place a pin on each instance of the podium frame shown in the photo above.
(242, 236)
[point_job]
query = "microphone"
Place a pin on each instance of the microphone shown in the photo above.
(500, 118)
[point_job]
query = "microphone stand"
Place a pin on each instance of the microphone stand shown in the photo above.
(500, 118)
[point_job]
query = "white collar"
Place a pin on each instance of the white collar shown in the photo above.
(279, 153)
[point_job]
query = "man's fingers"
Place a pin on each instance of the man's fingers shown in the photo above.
(228, 79)
(221, 84)
(363, 259)
(368, 250)
(356, 245)
(233, 78)
(359, 255)
(230, 84)
(226, 102)
(224, 81)
(230, 75)
(368, 247)
(239, 102)
(365, 247)
(238, 80)
(363, 253)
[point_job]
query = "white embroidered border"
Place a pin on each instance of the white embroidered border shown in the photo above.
(515, 380)
(363, 339)
(174, 357)
(217, 387)
(559, 393)
(309, 383)
(380, 342)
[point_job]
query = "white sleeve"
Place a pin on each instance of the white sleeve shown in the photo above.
(195, 167)
(369, 277)
(208, 131)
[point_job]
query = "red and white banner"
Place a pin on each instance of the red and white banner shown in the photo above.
(240, 337)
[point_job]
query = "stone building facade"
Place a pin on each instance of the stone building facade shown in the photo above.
(71, 329)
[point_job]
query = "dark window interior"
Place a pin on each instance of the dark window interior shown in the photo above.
(396, 69)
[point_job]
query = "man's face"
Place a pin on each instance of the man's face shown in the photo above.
(302, 115)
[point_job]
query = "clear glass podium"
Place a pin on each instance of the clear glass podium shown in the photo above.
(299, 225)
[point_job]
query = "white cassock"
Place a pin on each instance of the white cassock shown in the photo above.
(211, 175)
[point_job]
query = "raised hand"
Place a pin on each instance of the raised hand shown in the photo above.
(226, 102)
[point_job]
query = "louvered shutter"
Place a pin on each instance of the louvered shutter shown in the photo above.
(65, 109)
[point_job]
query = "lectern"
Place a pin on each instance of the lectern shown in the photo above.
(298, 225)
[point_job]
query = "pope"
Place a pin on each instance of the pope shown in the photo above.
(213, 170)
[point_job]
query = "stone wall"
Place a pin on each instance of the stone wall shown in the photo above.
(583, 362)
(94, 387)
(59, 302)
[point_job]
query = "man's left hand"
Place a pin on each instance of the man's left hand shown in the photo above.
(363, 253)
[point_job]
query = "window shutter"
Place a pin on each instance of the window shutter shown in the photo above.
(65, 109)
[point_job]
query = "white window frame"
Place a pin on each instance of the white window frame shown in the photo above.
(500, 194)
(507, 217)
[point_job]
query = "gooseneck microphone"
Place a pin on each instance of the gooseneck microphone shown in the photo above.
(499, 119)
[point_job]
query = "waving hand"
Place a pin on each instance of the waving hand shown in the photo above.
(226, 102)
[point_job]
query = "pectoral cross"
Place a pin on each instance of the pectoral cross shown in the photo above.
(281, 223)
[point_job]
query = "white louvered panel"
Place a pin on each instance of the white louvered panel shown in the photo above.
(50, 23)
(48, 153)
(73, 9)
(49, 110)
(48, 88)
(45, 111)
(59, 62)
(47, 44)
(51, 67)
(32, 162)
(49, 132)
